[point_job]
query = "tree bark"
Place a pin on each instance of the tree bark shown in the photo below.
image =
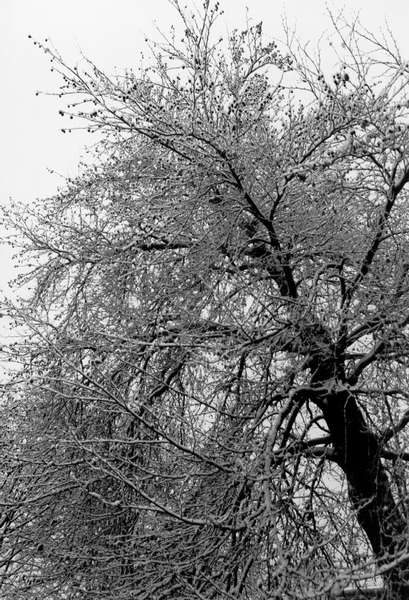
(357, 452)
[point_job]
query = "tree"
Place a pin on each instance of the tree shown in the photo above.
(214, 391)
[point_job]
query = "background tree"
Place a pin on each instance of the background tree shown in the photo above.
(214, 394)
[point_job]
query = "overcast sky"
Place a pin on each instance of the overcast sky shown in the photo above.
(112, 34)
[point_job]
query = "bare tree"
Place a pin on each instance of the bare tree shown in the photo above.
(214, 391)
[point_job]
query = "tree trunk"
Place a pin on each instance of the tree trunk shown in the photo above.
(357, 452)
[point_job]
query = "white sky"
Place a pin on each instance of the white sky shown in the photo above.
(112, 34)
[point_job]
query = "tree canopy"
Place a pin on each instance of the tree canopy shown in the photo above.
(213, 397)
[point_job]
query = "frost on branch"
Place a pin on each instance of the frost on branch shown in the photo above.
(212, 400)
